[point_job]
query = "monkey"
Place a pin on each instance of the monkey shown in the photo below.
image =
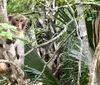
(13, 49)
(20, 21)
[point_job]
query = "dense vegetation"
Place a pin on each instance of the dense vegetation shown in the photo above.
(59, 35)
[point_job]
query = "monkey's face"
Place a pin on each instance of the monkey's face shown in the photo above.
(19, 23)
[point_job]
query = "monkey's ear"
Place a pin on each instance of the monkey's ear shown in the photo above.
(10, 17)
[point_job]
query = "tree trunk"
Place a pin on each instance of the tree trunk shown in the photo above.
(83, 34)
(3, 11)
(95, 68)
(83, 41)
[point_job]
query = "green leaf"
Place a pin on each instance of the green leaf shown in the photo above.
(34, 61)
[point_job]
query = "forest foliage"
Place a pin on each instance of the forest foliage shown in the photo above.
(53, 49)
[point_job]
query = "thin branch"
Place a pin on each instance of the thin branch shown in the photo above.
(53, 39)
(77, 28)
(53, 57)
(50, 41)
(93, 4)
(88, 3)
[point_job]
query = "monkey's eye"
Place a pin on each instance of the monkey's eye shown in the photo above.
(17, 20)
(21, 20)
